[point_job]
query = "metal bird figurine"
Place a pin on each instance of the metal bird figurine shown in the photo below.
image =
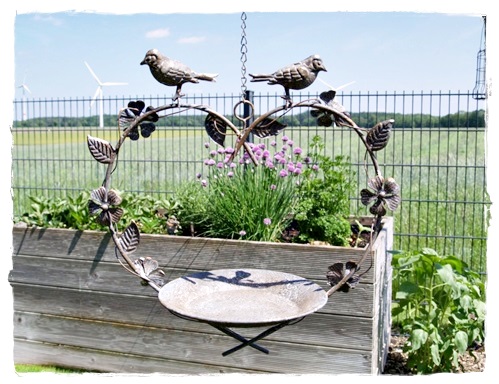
(172, 72)
(295, 76)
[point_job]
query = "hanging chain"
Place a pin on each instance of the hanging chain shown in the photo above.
(244, 51)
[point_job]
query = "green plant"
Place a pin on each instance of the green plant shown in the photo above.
(258, 202)
(243, 200)
(323, 198)
(151, 214)
(440, 303)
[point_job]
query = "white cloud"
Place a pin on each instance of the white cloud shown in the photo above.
(48, 19)
(192, 40)
(158, 33)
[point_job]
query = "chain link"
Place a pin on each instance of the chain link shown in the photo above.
(244, 51)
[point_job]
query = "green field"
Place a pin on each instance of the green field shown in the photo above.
(441, 173)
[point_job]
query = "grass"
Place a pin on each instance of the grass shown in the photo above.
(32, 368)
(441, 173)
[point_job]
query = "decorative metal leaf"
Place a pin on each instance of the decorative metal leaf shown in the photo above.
(378, 136)
(216, 128)
(130, 238)
(100, 149)
(268, 127)
(126, 117)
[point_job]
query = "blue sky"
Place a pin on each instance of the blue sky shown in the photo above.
(387, 51)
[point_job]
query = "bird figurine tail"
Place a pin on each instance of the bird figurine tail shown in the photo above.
(255, 78)
(207, 76)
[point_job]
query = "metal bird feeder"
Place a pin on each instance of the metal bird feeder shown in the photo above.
(239, 297)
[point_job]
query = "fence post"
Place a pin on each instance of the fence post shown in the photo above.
(249, 96)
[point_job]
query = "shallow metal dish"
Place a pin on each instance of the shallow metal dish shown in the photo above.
(244, 297)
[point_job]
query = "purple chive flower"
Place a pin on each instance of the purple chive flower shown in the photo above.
(273, 187)
(297, 151)
(291, 167)
(315, 167)
(265, 154)
(267, 221)
(220, 150)
(273, 143)
(220, 165)
(290, 143)
(210, 162)
(229, 150)
(269, 164)
(298, 165)
(198, 175)
(307, 160)
(242, 233)
(213, 153)
(207, 144)
(297, 171)
(285, 138)
(204, 183)
(230, 174)
(283, 173)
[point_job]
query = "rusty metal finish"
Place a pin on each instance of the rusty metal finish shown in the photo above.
(172, 72)
(242, 297)
(296, 76)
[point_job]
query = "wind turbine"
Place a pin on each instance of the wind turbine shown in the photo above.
(25, 89)
(98, 94)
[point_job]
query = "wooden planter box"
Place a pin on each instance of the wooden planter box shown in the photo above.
(75, 305)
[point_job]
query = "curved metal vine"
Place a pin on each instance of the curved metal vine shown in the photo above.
(136, 121)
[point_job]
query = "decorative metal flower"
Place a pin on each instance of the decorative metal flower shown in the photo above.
(338, 271)
(102, 203)
(326, 118)
(386, 193)
(149, 270)
(128, 115)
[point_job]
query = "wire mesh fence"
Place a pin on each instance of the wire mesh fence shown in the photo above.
(436, 153)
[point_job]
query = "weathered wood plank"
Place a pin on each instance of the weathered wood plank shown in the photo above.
(33, 352)
(196, 348)
(196, 253)
(112, 278)
(316, 329)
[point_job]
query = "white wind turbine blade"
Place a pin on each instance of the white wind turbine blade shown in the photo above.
(99, 93)
(93, 73)
(337, 88)
(25, 88)
(109, 83)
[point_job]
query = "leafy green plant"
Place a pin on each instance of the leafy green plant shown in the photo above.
(243, 200)
(152, 215)
(323, 198)
(440, 303)
(258, 202)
